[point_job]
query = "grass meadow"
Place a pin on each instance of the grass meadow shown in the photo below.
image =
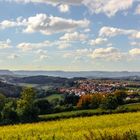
(73, 128)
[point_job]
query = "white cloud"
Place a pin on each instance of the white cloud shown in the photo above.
(87, 30)
(40, 51)
(42, 57)
(108, 7)
(75, 36)
(52, 2)
(5, 44)
(24, 46)
(10, 23)
(49, 25)
(109, 45)
(7, 24)
(64, 8)
(137, 11)
(109, 53)
(135, 52)
(63, 45)
(112, 31)
(136, 35)
(97, 41)
(78, 53)
(43, 54)
(109, 31)
(13, 56)
(46, 24)
(135, 44)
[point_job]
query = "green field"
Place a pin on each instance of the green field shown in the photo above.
(54, 96)
(90, 112)
(134, 106)
(72, 129)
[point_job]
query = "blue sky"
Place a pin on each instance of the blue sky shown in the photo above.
(72, 35)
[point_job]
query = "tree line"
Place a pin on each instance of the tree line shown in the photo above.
(29, 106)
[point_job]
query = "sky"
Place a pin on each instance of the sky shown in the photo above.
(70, 35)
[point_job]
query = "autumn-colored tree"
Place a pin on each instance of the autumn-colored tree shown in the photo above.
(85, 101)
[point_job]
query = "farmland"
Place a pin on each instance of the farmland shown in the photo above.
(90, 112)
(72, 129)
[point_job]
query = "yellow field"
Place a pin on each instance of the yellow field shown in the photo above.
(72, 129)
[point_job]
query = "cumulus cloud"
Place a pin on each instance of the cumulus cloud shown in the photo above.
(49, 25)
(87, 30)
(136, 35)
(137, 11)
(7, 24)
(112, 31)
(108, 7)
(24, 46)
(75, 36)
(27, 46)
(5, 44)
(64, 8)
(13, 56)
(10, 23)
(135, 52)
(63, 45)
(52, 2)
(43, 54)
(66, 40)
(97, 41)
(109, 53)
(42, 57)
(46, 24)
(78, 53)
(135, 44)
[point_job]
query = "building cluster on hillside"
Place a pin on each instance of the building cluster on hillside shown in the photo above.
(92, 86)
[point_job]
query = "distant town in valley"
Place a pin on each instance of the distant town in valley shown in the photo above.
(12, 83)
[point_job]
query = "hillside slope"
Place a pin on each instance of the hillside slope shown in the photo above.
(72, 129)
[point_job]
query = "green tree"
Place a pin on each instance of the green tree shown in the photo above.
(96, 100)
(8, 113)
(71, 99)
(120, 96)
(109, 102)
(26, 109)
(44, 106)
(2, 101)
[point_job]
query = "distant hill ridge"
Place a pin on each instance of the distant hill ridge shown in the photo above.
(6, 72)
(70, 74)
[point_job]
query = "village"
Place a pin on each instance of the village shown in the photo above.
(83, 87)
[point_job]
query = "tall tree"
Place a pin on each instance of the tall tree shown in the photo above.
(26, 109)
